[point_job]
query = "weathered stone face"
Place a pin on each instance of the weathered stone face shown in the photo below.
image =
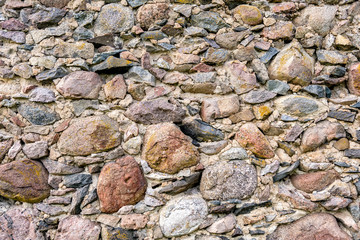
(120, 183)
(249, 14)
(149, 13)
(89, 135)
(76, 227)
(24, 180)
(167, 149)
(354, 79)
(315, 181)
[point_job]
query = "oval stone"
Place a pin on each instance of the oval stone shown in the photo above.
(24, 180)
(120, 183)
(152, 12)
(89, 135)
(228, 180)
(354, 79)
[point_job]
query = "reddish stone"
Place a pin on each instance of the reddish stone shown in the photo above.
(202, 67)
(62, 126)
(75, 227)
(354, 79)
(151, 12)
(280, 30)
(168, 150)
(315, 181)
(17, 4)
(219, 108)
(289, 194)
(115, 88)
(284, 7)
(56, 4)
(134, 221)
(250, 137)
(240, 78)
(13, 25)
(319, 226)
(120, 183)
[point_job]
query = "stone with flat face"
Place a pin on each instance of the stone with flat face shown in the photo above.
(315, 181)
(152, 12)
(76, 227)
(89, 135)
(354, 79)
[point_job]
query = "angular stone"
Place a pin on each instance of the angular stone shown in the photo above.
(181, 185)
(354, 79)
(134, 221)
(319, 91)
(211, 21)
(300, 106)
(5, 146)
(42, 95)
(352, 153)
(227, 40)
(249, 14)
(216, 56)
(320, 226)
(250, 137)
(113, 18)
(112, 65)
(56, 4)
(51, 74)
(201, 131)
(17, 37)
(49, 209)
(331, 57)
(240, 78)
(46, 17)
(57, 168)
(13, 25)
(78, 49)
(228, 180)
(342, 115)
(234, 154)
(167, 149)
(36, 150)
(138, 74)
(24, 180)
(320, 19)
(182, 215)
(323, 132)
(80, 84)
(77, 180)
(149, 13)
(155, 111)
(280, 30)
(293, 65)
(297, 200)
(110, 233)
(38, 114)
(315, 181)
(115, 88)
(219, 108)
(258, 96)
(269, 55)
(120, 183)
(76, 227)
(336, 203)
(89, 135)
(223, 225)
(277, 86)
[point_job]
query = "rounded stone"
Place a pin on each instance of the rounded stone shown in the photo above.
(56, 4)
(182, 215)
(89, 135)
(167, 149)
(315, 181)
(120, 183)
(249, 14)
(24, 180)
(228, 180)
(354, 79)
(152, 12)
(113, 18)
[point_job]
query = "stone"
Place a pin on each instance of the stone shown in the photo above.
(284, 7)
(134, 221)
(109, 233)
(352, 153)
(36, 150)
(77, 180)
(201, 131)
(56, 4)
(342, 144)
(38, 114)
(79, 49)
(138, 74)
(262, 112)
(89, 135)
(23, 70)
(13, 25)
(216, 56)
(342, 115)
(42, 95)
(20, 223)
(76, 227)
(228, 180)
(115, 88)
(226, 40)
(155, 111)
(320, 19)
(181, 185)
(57, 168)
(335, 203)
(321, 133)
(113, 18)
(149, 13)
(223, 225)
(167, 149)
(331, 57)
(80, 84)
(49, 209)
(133, 145)
(77, 199)
(319, 91)
(81, 105)
(235, 153)
(280, 30)
(250, 137)
(112, 65)
(182, 215)
(195, 32)
(250, 15)
(354, 79)
(211, 21)
(315, 181)
(258, 96)
(6, 73)
(240, 78)
(5, 147)
(17, 37)
(277, 86)
(297, 200)
(219, 108)
(182, 58)
(269, 55)
(24, 180)
(299, 67)
(120, 183)
(51, 74)
(45, 17)
(286, 172)
(211, 148)
(300, 106)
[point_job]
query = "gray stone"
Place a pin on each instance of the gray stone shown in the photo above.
(77, 199)
(113, 18)
(17, 37)
(211, 21)
(277, 86)
(223, 225)
(57, 168)
(319, 91)
(258, 96)
(77, 180)
(36, 150)
(352, 153)
(228, 180)
(342, 115)
(138, 74)
(82, 33)
(81, 105)
(286, 172)
(201, 131)
(84, 18)
(155, 35)
(211, 148)
(331, 57)
(269, 55)
(38, 114)
(182, 215)
(42, 95)
(100, 57)
(50, 209)
(195, 32)
(236, 153)
(51, 74)
(46, 17)
(216, 56)
(181, 185)
(112, 64)
(294, 133)
(136, 3)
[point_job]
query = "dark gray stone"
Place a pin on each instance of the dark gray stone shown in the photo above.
(277, 86)
(100, 57)
(89, 198)
(342, 115)
(269, 55)
(84, 18)
(38, 114)
(77, 180)
(202, 131)
(138, 74)
(286, 172)
(57, 168)
(52, 74)
(352, 153)
(181, 185)
(82, 33)
(77, 199)
(46, 17)
(258, 96)
(338, 72)
(211, 21)
(319, 91)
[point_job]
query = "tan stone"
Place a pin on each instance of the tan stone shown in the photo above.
(249, 14)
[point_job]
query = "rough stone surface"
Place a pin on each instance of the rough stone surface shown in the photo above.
(149, 13)
(354, 79)
(76, 227)
(38, 114)
(249, 14)
(315, 181)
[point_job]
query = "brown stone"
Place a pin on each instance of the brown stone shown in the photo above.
(281, 30)
(284, 7)
(75, 227)
(4, 148)
(250, 137)
(24, 180)
(243, 115)
(80, 84)
(155, 111)
(167, 149)
(13, 25)
(151, 12)
(289, 194)
(56, 4)
(354, 79)
(120, 183)
(315, 181)
(134, 221)
(342, 144)
(214, 108)
(319, 226)
(115, 88)
(240, 78)
(89, 135)
(249, 14)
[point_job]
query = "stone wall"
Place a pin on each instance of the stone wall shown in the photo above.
(181, 119)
